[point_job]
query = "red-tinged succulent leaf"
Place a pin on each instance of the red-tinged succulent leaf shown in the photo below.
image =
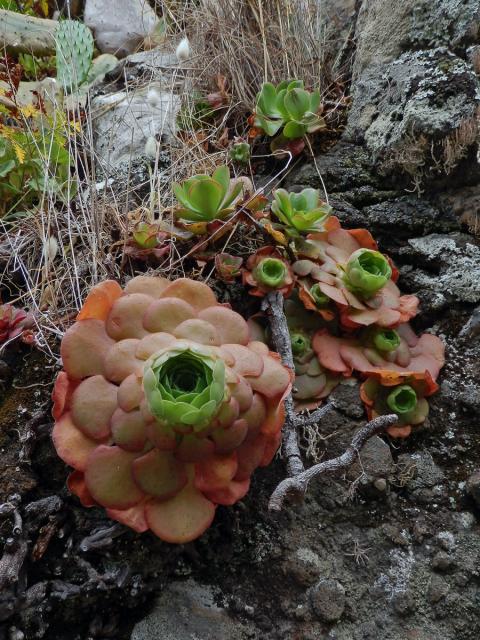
(230, 326)
(235, 491)
(129, 430)
(181, 519)
(399, 432)
(229, 438)
(161, 436)
(109, 478)
(383, 317)
(256, 415)
(193, 449)
(343, 240)
(408, 307)
(159, 474)
(125, 319)
(99, 301)
(364, 238)
(249, 455)
(259, 347)
(198, 294)
(130, 393)
(121, 361)
(153, 343)
(275, 418)
(327, 349)
(84, 348)
(243, 394)
(76, 485)
(71, 444)
(273, 381)
(228, 413)
(153, 287)
(246, 361)
(93, 418)
(271, 448)
(133, 517)
(215, 473)
(199, 331)
(62, 394)
(166, 314)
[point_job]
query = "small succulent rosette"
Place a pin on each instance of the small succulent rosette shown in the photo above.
(165, 406)
(206, 198)
(300, 213)
(398, 351)
(16, 323)
(267, 270)
(289, 109)
(350, 271)
(403, 394)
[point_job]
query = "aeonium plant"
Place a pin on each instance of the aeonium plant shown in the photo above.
(267, 270)
(404, 395)
(206, 198)
(300, 213)
(290, 106)
(165, 406)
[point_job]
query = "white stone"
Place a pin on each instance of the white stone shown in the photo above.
(119, 26)
(124, 122)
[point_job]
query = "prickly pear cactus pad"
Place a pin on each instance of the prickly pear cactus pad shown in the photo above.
(165, 407)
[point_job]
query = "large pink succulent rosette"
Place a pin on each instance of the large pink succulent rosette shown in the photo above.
(165, 407)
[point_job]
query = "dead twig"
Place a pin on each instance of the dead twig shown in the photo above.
(299, 478)
(298, 484)
(102, 538)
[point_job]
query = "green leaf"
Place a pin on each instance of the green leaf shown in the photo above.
(294, 130)
(297, 102)
(222, 176)
(206, 197)
(235, 192)
(6, 167)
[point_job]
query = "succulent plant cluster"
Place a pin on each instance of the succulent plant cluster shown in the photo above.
(165, 405)
(345, 312)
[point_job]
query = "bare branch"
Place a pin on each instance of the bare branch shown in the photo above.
(272, 304)
(298, 485)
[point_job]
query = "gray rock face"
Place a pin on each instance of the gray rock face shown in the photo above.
(473, 486)
(187, 611)
(386, 28)
(119, 25)
(416, 114)
(457, 260)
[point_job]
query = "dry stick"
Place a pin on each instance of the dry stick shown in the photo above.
(298, 484)
(299, 478)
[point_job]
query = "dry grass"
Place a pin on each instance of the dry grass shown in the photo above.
(54, 256)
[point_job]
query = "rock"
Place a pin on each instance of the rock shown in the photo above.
(455, 260)
(375, 460)
(327, 599)
(119, 25)
(473, 486)
(304, 566)
(437, 589)
(187, 610)
(426, 474)
(386, 28)
(154, 65)
(123, 122)
(417, 114)
(441, 561)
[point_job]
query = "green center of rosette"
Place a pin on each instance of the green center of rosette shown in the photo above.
(185, 385)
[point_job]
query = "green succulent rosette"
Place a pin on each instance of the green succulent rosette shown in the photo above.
(384, 340)
(240, 152)
(300, 213)
(185, 386)
(206, 198)
(290, 106)
(366, 272)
